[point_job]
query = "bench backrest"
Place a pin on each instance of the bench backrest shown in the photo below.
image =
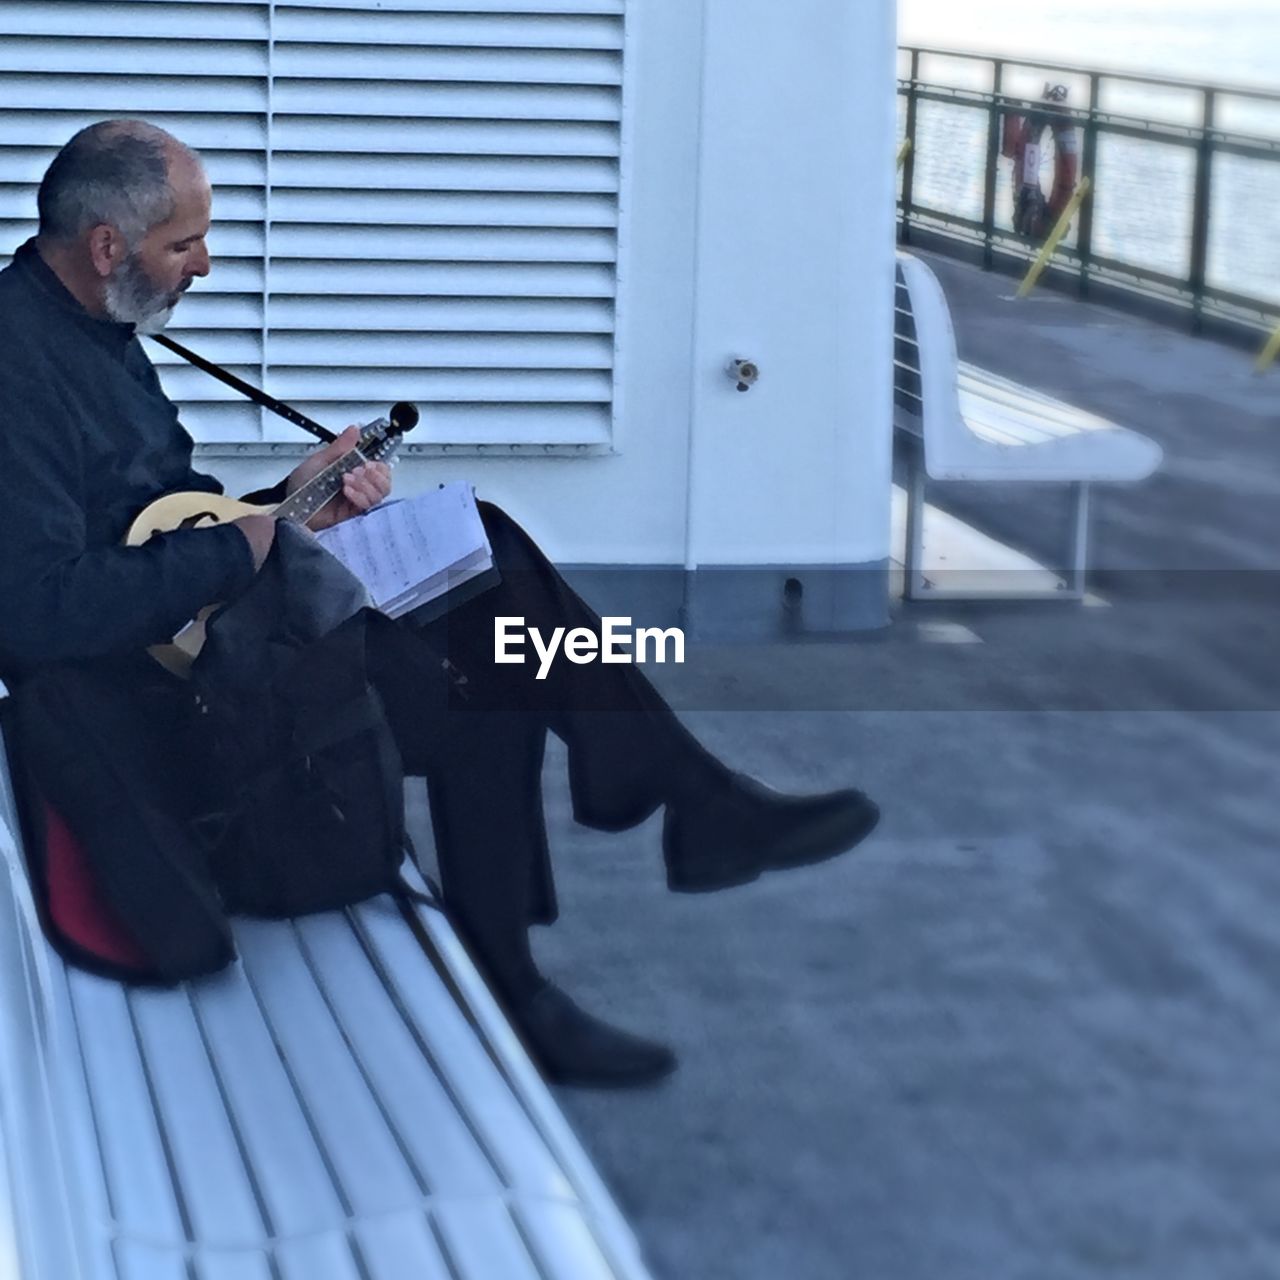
(906, 350)
(925, 363)
(974, 425)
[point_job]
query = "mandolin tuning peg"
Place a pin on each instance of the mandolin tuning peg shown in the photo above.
(404, 416)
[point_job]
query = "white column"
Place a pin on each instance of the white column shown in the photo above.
(794, 271)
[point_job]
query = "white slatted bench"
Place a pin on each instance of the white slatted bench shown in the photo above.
(345, 1102)
(959, 422)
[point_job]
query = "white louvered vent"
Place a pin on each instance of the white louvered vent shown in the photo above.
(413, 200)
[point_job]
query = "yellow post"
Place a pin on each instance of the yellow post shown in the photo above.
(1059, 230)
(902, 151)
(1268, 353)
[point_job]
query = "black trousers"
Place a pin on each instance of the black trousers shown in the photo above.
(479, 740)
(474, 729)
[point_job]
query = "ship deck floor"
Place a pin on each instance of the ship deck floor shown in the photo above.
(1032, 1028)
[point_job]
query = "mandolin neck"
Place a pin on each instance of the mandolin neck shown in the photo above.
(302, 504)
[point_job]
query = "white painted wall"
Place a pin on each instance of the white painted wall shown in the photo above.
(795, 234)
(757, 221)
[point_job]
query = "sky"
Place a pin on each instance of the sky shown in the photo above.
(1231, 41)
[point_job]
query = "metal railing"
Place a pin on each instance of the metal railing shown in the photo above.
(1191, 287)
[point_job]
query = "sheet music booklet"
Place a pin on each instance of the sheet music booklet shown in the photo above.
(421, 555)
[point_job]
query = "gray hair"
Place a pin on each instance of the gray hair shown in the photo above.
(117, 172)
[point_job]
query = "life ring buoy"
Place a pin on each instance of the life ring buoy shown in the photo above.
(1034, 213)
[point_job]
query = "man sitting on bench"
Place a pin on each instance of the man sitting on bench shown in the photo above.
(88, 439)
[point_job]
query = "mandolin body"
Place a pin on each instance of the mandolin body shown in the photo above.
(189, 510)
(195, 510)
(192, 510)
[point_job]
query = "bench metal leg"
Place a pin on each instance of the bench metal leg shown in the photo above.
(917, 587)
(914, 586)
(1074, 588)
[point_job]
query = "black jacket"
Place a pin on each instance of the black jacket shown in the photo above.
(87, 439)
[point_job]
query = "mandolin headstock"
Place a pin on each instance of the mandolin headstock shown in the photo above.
(380, 439)
(378, 442)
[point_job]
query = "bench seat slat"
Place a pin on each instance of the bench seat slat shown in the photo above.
(219, 1197)
(69, 1094)
(139, 1184)
(993, 386)
(993, 422)
(988, 423)
(294, 1182)
(506, 1127)
(441, 1145)
(239, 1264)
(1038, 414)
(136, 1261)
(386, 1243)
(327, 1255)
(359, 1146)
(1042, 451)
(483, 1243)
(562, 1242)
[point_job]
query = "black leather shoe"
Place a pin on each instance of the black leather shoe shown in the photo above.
(732, 835)
(572, 1047)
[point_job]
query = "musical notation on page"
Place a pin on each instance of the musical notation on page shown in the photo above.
(410, 551)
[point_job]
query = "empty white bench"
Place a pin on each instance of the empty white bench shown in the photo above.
(959, 422)
(345, 1102)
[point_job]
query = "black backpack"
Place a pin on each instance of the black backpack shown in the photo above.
(106, 774)
(311, 801)
(270, 784)
(311, 810)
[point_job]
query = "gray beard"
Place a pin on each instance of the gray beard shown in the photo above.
(130, 297)
(155, 322)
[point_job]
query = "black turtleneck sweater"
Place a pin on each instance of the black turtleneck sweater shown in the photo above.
(87, 439)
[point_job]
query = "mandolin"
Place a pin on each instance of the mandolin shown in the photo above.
(378, 442)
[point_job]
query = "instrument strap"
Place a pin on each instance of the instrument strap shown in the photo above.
(285, 411)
